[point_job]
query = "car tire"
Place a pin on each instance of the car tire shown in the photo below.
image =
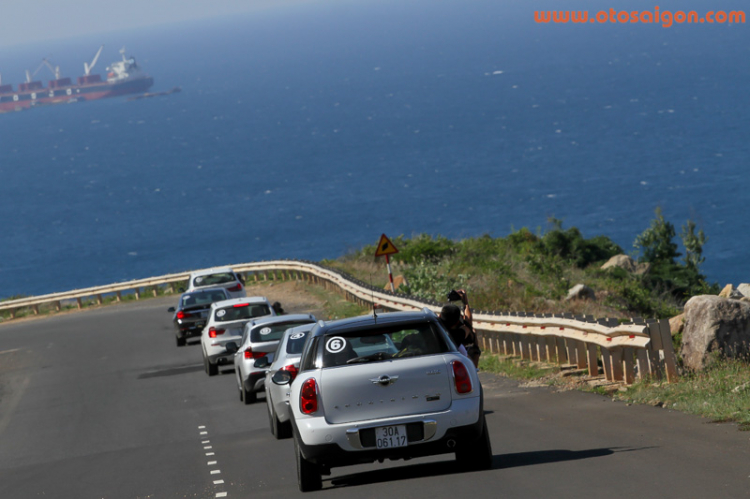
(308, 474)
(180, 341)
(248, 397)
(272, 421)
(211, 369)
(478, 454)
(283, 430)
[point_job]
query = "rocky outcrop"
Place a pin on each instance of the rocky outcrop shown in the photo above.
(730, 292)
(580, 292)
(714, 325)
(677, 324)
(744, 288)
(627, 263)
(622, 261)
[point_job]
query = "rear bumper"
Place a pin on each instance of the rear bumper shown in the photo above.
(429, 435)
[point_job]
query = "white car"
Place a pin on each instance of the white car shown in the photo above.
(222, 277)
(279, 376)
(260, 339)
(387, 387)
(226, 322)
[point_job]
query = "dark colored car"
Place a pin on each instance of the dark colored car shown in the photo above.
(192, 312)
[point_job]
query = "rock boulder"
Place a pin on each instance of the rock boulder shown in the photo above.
(744, 288)
(714, 324)
(580, 292)
(730, 292)
(622, 261)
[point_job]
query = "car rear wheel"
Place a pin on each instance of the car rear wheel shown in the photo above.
(180, 341)
(248, 397)
(211, 369)
(308, 474)
(283, 430)
(478, 454)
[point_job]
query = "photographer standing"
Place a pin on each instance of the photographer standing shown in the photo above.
(459, 326)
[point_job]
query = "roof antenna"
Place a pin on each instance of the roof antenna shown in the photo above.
(372, 294)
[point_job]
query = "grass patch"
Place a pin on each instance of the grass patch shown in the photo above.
(720, 393)
(513, 367)
(334, 305)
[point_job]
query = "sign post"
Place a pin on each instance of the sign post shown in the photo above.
(386, 248)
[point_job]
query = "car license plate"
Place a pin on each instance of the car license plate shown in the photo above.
(387, 437)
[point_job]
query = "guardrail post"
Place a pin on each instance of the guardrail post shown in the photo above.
(592, 357)
(137, 293)
(58, 306)
(581, 355)
(265, 276)
(541, 345)
(99, 299)
(155, 291)
(616, 355)
(35, 308)
(78, 303)
(560, 351)
(643, 367)
(670, 361)
(607, 364)
(627, 365)
(550, 348)
(572, 352)
(12, 313)
(654, 359)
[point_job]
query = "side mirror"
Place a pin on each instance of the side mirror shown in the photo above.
(170, 309)
(231, 347)
(262, 362)
(282, 378)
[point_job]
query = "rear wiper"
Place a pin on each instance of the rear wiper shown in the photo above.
(368, 358)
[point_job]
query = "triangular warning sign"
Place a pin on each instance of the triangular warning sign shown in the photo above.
(385, 247)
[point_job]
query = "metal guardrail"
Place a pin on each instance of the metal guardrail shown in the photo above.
(626, 351)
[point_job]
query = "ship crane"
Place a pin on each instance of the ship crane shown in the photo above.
(55, 70)
(88, 67)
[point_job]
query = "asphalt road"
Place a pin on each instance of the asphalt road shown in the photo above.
(102, 404)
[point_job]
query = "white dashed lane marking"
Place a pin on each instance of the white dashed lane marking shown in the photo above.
(211, 463)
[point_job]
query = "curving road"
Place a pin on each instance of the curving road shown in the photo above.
(101, 404)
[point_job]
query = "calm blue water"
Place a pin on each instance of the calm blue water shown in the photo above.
(305, 131)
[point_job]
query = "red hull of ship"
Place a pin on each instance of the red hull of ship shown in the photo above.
(17, 101)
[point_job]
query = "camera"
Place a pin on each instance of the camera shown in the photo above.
(454, 296)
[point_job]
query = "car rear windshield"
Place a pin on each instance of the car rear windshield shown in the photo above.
(273, 332)
(202, 298)
(241, 311)
(296, 343)
(381, 343)
(213, 279)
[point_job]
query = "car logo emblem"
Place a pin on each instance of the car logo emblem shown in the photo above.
(384, 380)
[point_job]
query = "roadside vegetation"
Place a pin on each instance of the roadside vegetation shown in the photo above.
(532, 271)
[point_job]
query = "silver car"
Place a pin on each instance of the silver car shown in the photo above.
(226, 322)
(387, 387)
(223, 277)
(280, 374)
(260, 339)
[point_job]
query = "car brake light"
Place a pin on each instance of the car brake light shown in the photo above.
(213, 332)
(291, 370)
(461, 377)
(249, 354)
(308, 397)
(236, 288)
(182, 315)
(240, 305)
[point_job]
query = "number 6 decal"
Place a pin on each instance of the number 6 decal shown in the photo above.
(335, 344)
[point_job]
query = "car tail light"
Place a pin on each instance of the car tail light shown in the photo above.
(308, 397)
(240, 305)
(461, 377)
(249, 354)
(182, 315)
(236, 288)
(291, 370)
(213, 332)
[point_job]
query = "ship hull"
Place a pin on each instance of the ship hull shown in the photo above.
(18, 101)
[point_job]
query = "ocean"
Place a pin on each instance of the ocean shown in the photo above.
(305, 131)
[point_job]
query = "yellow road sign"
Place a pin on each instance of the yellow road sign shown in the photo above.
(385, 247)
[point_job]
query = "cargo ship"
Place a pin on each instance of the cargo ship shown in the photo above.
(124, 77)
